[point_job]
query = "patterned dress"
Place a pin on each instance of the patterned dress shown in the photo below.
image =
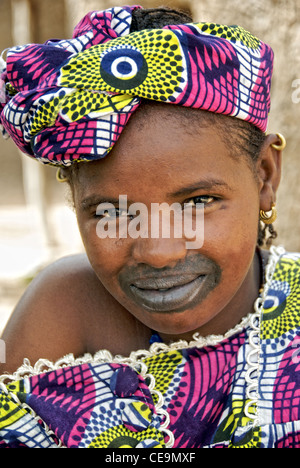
(241, 390)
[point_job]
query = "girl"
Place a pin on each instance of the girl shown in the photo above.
(148, 105)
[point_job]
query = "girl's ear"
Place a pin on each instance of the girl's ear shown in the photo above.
(269, 169)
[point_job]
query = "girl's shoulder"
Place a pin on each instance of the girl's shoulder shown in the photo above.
(66, 309)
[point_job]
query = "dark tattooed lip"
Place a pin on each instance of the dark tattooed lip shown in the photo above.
(171, 290)
(169, 299)
(167, 282)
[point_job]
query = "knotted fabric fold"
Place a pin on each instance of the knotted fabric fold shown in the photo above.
(69, 100)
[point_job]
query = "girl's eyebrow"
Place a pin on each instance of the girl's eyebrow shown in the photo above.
(201, 185)
(95, 200)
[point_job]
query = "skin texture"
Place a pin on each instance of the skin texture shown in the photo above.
(83, 304)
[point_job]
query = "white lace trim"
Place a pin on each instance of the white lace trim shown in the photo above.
(135, 359)
(254, 357)
(43, 366)
(159, 406)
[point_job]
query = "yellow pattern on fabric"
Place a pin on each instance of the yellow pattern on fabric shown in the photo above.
(237, 418)
(231, 33)
(281, 318)
(162, 367)
(120, 437)
(143, 410)
(154, 55)
(76, 105)
(251, 440)
(234, 420)
(10, 411)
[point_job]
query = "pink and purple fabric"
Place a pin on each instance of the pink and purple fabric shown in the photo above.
(69, 100)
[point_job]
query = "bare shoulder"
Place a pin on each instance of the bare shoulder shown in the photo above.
(66, 309)
(51, 317)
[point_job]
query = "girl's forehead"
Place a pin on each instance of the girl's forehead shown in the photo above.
(156, 151)
(157, 138)
(160, 131)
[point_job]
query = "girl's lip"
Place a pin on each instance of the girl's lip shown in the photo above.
(166, 289)
(179, 296)
(164, 282)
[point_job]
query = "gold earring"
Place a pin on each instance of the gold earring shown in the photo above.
(59, 177)
(282, 144)
(268, 218)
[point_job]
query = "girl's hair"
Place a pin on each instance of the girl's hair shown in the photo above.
(242, 137)
(156, 18)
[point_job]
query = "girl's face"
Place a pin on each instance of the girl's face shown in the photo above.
(165, 284)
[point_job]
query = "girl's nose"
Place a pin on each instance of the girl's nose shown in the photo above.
(160, 252)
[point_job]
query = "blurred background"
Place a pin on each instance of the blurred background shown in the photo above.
(37, 224)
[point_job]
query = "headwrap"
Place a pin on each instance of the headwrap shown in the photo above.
(69, 100)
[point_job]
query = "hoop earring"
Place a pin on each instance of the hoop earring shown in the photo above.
(282, 144)
(268, 218)
(59, 177)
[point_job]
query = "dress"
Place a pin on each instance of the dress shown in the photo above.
(241, 390)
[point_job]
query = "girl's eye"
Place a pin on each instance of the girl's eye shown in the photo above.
(117, 213)
(111, 213)
(202, 199)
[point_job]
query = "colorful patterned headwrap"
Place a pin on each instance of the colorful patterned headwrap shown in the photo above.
(69, 100)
